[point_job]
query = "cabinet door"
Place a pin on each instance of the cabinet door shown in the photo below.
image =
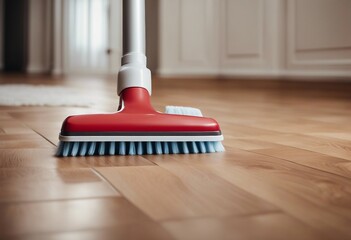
(319, 35)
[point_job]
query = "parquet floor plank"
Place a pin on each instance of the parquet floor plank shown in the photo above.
(286, 172)
(181, 192)
(40, 184)
(113, 218)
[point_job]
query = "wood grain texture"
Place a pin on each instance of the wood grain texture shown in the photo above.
(329, 146)
(107, 216)
(311, 159)
(16, 141)
(285, 174)
(182, 192)
(325, 190)
(319, 199)
(36, 184)
(267, 226)
(146, 230)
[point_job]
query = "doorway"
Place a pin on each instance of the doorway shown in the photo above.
(91, 44)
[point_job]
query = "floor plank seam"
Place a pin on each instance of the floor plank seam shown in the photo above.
(97, 173)
(290, 161)
(245, 215)
(126, 198)
(56, 200)
(47, 139)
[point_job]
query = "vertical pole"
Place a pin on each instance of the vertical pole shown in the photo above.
(133, 72)
(133, 26)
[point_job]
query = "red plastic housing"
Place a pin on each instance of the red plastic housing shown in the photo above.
(137, 115)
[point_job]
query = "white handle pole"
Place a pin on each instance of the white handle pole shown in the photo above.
(133, 72)
(133, 26)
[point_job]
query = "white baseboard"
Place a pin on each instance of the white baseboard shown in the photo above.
(287, 74)
(186, 72)
(37, 69)
(57, 71)
(228, 73)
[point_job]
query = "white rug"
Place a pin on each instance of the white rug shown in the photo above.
(39, 95)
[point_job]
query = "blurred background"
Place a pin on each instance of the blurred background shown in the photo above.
(275, 74)
(256, 38)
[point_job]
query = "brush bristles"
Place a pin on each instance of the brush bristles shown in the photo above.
(140, 148)
(66, 149)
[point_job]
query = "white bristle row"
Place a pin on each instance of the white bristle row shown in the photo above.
(73, 149)
(183, 111)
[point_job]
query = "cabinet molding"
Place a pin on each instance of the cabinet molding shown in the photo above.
(255, 38)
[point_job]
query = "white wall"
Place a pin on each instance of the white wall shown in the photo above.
(115, 35)
(57, 37)
(255, 37)
(39, 36)
(1, 32)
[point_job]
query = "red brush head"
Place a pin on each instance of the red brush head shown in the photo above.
(137, 115)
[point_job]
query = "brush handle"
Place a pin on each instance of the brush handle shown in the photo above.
(133, 26)
(133, 72)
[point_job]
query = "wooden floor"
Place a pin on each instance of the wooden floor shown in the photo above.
(286, 173)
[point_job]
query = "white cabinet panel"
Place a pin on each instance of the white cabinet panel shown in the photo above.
(189, 31)
(323, 24)
(243, 24)
(255, 37)
(319, 36)
(247, 33)
(1, 32)
(193, 39)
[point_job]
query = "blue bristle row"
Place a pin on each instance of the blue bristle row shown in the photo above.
(73, 149)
